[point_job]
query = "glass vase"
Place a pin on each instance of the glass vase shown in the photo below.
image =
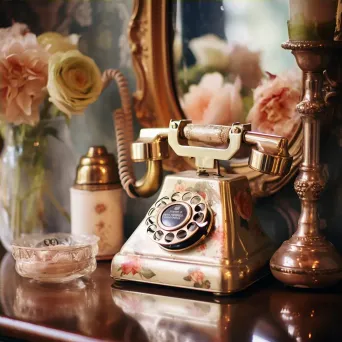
(37, 167)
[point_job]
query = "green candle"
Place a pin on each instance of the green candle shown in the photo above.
(312, 19)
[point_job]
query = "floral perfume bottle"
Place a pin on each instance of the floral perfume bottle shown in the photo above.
(97, 201)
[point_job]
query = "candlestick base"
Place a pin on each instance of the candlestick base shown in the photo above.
(304, 261)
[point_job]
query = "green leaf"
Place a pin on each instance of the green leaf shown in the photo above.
(119, 269)
(187, 278)
(147, 273)
(198, 285)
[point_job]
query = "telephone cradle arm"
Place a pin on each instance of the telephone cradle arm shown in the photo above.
(269, 153)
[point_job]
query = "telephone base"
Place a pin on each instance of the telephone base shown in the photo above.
(170, 272)
(231, 256)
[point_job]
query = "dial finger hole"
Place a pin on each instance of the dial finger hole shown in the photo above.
(150, 220)
(151, 229)
(158, 235)
(199, 217)
(181, 234)
(195, 200)
(192, 226)
(161, 204)
(169, 237)
(187, 196)
(176, 197)
(200, 207)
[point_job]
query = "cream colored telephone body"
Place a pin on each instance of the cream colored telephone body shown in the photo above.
(202, 232)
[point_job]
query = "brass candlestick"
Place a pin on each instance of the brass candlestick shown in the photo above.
(307, 259)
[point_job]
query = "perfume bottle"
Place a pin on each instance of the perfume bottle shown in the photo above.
(97, 201)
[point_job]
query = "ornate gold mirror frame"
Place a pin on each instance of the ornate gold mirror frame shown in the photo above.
(155, 99)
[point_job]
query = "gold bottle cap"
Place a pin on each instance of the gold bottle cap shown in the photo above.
(97, 170)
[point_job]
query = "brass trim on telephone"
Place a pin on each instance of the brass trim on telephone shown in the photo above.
(150, 183)
(152, 150)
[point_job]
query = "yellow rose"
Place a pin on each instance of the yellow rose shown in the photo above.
(54, 42)
(74, 81)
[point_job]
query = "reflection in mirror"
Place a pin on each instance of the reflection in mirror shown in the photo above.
(229, 65)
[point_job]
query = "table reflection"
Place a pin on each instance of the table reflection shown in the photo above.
(167, 317)
(263, 313)
(308, 315)
(83, 306)
(91, 307)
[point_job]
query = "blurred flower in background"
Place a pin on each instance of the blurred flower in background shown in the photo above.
(227, 85)
(210, 51)
(275, 100)
(214, 101)
(245, 64)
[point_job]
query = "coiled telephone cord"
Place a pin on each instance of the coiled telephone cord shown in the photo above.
(123, 125)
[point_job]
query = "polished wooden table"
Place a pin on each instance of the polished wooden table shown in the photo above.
(92, 310)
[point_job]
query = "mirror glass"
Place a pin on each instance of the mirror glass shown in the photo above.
(229, 65)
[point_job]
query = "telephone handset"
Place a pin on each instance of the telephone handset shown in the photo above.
(203, 207)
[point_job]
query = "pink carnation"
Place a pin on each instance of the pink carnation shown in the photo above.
(274, 109)
(214, 102)
(23, 78)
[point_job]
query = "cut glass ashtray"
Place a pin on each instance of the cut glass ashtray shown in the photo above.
(55, 258)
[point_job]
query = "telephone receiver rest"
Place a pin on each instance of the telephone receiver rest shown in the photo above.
(269, 153)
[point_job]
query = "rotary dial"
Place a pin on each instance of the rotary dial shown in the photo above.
(180, 221)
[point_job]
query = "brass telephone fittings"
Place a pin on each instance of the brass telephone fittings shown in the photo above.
(149, 150)
(275, 165)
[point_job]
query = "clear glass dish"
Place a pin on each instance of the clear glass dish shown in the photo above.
(55, 258)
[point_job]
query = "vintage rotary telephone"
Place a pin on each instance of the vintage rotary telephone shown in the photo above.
(202, 232)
